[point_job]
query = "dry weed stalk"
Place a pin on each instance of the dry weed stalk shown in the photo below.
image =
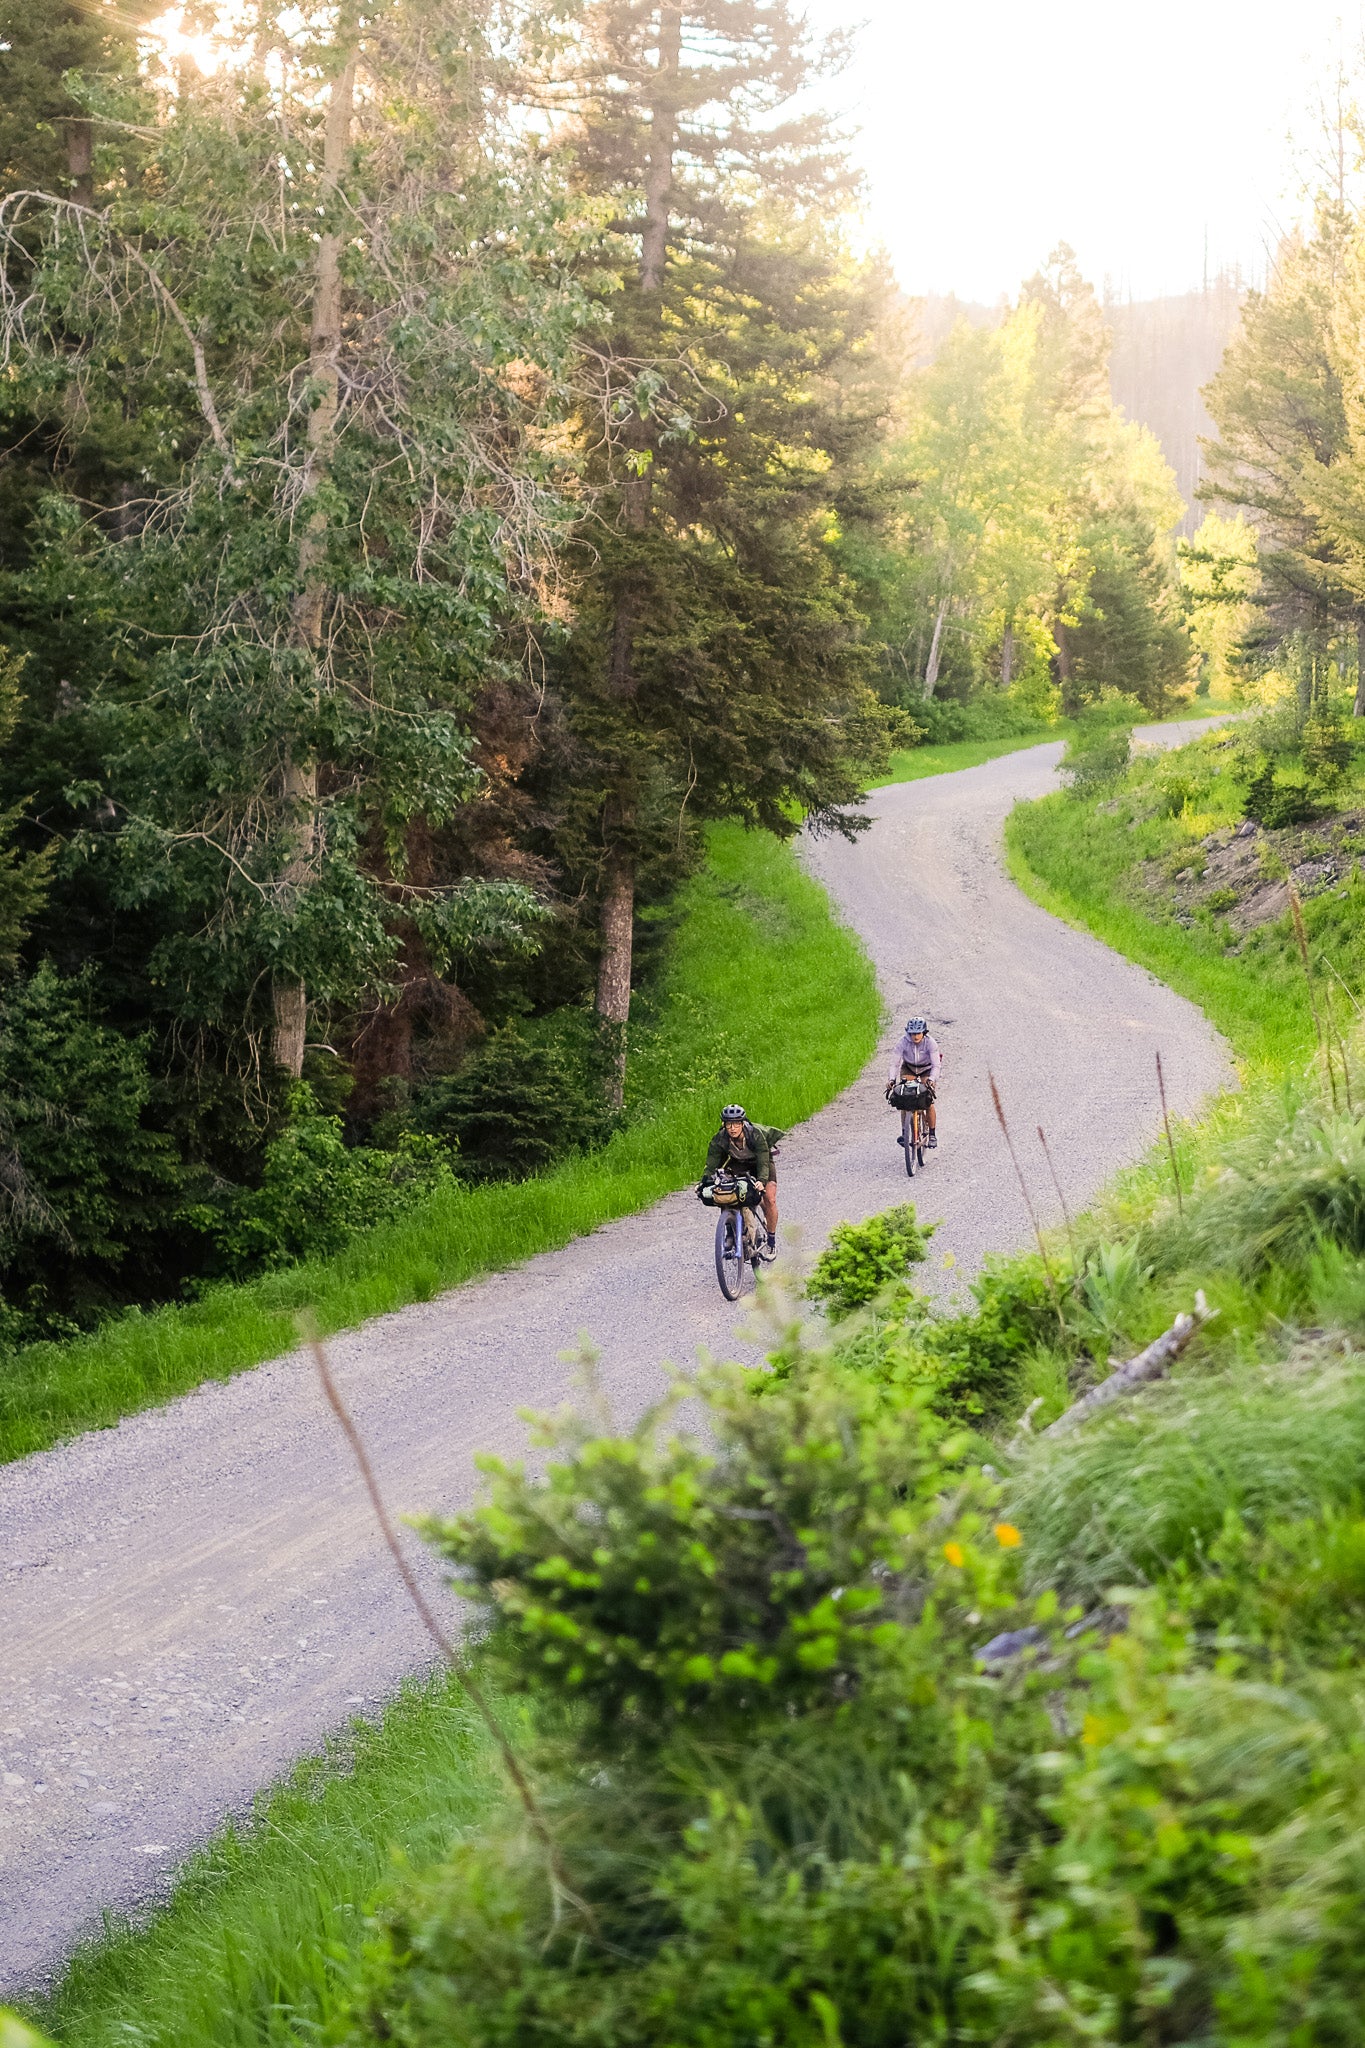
(1170, 1141)
(1324, 1043)
(1066, 1213)
(560, 1885)
(1028, 1202)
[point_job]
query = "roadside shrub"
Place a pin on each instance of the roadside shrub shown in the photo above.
(968, 1366)
(1096, 759)
(532, 1094)
(1327, 749)
(793, 1804)
(659, 1583)
(1277, 805)
(769, 1772)
(866, 1262)
(317, 1192)
(87, 1183)
(992, 716)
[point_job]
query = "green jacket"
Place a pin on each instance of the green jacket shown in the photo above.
(754, 1157)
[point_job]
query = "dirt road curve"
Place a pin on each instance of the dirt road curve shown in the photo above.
(190, 1601)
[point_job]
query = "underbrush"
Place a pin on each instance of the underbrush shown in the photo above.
(751, 920)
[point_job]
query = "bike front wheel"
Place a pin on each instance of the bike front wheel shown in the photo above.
(729, 1254)
(910, 1140)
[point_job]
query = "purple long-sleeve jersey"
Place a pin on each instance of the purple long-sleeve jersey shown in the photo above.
(924, 1056)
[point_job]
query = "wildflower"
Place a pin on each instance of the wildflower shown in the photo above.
(1007, 1536)
(954, 1553)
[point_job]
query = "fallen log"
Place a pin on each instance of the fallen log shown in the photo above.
(1150, 1364)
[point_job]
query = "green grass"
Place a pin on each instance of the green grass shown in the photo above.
(254, 1946)
(1077, 861)
(764, 996)
(910, 764)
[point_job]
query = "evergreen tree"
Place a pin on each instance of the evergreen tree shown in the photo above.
(715, 667)
(1279, 405)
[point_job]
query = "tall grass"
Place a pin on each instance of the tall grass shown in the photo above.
(1122, 1501)
(255, 1944)
(764, 996)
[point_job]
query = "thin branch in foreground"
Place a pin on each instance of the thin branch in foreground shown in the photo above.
(511, 1762)
(1028, 1201)
(1170, 1141)
(1066, 1213)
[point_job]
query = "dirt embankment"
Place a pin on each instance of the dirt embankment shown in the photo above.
(1243, 876)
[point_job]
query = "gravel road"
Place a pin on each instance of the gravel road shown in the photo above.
(192, 1600)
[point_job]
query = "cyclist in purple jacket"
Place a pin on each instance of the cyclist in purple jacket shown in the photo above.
(918, 1054)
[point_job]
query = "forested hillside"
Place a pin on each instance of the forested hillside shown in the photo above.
(449, 454)
(1165, 351)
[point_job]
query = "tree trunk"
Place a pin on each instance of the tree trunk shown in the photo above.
(1007, 655)
(1359, 706)
(618, 890)
(80, 158)
(289, 995)
(935, 648)
(613, 968)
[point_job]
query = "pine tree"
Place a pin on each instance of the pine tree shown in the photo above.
(1284, 444)
(715, 667)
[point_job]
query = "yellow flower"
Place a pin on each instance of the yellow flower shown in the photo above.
(1007, 1536)
(954, 1554)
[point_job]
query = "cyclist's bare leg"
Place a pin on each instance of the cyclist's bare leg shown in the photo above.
(770, 1207)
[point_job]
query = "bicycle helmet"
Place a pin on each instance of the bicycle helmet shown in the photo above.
(914, 1024)
(733, 1113)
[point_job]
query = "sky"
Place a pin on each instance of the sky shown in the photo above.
(1142, 134)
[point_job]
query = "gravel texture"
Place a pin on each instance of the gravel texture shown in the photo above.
(192, 1600)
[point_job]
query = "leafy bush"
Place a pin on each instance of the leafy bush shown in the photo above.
(86, 1183)
(531, 1095)
(866, 1262)
(1327, 749)
(317, 1192)
(968, 1366)
(1097, 759)
(792, 1805)
(1275, 804)
(993, 716)
(758, 1658)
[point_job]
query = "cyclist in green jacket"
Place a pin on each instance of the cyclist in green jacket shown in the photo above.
(742, 1147)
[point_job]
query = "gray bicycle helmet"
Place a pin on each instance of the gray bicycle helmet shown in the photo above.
(915, 1024)
(733, 1113)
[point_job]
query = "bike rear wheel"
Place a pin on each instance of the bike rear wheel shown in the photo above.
(730, 1254)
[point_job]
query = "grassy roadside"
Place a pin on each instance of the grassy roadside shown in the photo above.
(252, 1945)
(1111, 868)
(911, 764)
(752, 920)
